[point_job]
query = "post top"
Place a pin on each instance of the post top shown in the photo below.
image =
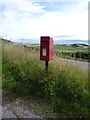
(45, 36)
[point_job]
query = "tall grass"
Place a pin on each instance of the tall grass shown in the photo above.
(65, 86)
(0, 73)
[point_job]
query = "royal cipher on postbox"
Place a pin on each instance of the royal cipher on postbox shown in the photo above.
(46, 48)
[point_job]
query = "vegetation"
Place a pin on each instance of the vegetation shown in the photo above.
(73, 51)
(0, 69)
(5, 40)
(65, 86)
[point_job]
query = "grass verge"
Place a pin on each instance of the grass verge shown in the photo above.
(65, 86)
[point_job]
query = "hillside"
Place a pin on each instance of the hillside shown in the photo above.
(63, 91)
(69, 51)
(5, 40)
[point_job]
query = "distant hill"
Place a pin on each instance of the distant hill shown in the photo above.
(56, 42)
(77, 45)
(74, 45)
(5, 40)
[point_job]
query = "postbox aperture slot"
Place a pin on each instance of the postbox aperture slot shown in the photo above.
(45, 46)
(44, 41)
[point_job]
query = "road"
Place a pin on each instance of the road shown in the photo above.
(17, 112)
(81, 64)
(7, 113)
(15, 108)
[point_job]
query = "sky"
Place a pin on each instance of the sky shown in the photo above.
(30, 19)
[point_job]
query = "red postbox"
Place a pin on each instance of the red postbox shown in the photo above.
(46, 48)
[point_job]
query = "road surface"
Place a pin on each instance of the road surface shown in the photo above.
(17, 112)
(81, 64)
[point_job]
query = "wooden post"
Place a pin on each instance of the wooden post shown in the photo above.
(46, 66)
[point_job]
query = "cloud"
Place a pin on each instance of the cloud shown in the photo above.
(30, 19)
(23, 5)
(59, 0)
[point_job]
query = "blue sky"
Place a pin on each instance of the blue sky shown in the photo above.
(61, 19)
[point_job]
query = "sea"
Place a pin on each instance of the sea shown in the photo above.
(56, 42)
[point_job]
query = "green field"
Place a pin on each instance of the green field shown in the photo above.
(69, 49)
(73, 51)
